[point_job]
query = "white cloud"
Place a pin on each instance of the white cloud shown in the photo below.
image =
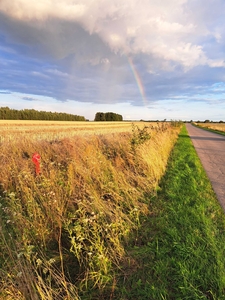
(166, 30)
(57, 73)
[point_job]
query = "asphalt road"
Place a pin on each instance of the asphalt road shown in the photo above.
(210, 148)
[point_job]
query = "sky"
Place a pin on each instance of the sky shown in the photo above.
(143, 59)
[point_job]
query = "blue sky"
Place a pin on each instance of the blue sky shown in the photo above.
(146, 59)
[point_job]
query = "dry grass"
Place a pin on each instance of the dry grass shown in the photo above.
(214, 126)
(63, 232)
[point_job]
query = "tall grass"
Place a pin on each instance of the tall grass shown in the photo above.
(179, 251)
(63, 232)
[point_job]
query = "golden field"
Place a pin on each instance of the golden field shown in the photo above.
(11, 130)
(48, 130)
(63, 232)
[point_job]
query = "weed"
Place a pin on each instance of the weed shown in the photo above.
(139, 136)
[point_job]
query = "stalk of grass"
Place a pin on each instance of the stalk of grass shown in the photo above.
(179, 252)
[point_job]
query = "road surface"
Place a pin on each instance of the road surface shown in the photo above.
(210, 148)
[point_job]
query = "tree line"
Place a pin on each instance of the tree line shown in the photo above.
(31, 114)
(109, 116)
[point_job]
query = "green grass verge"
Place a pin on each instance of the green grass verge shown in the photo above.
(179, 250)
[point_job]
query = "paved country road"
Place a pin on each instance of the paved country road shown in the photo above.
(210, 148)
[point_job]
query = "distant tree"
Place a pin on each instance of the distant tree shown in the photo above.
(109, 116)
(119, 117)
(32, 114)
(99, 116)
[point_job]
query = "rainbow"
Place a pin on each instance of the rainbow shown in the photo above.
(138, 80)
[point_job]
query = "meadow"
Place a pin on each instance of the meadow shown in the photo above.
(64, 231)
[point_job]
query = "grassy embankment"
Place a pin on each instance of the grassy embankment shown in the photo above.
(179, 251)
(213, 127)
(63, 232)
